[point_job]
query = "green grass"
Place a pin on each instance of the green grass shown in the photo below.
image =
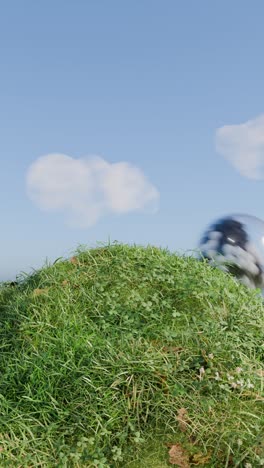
(100, 353)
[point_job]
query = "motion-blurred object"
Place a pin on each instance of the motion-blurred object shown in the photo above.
(235, 244)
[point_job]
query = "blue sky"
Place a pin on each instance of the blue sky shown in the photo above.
(172, 90)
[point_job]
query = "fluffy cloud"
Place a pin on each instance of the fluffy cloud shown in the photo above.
(243, 146)
(86, 189)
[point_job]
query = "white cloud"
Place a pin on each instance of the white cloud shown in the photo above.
(243, 146)
(86, 189)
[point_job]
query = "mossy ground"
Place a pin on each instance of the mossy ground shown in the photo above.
(115, 356)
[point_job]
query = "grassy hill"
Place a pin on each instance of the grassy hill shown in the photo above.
(131, 357)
